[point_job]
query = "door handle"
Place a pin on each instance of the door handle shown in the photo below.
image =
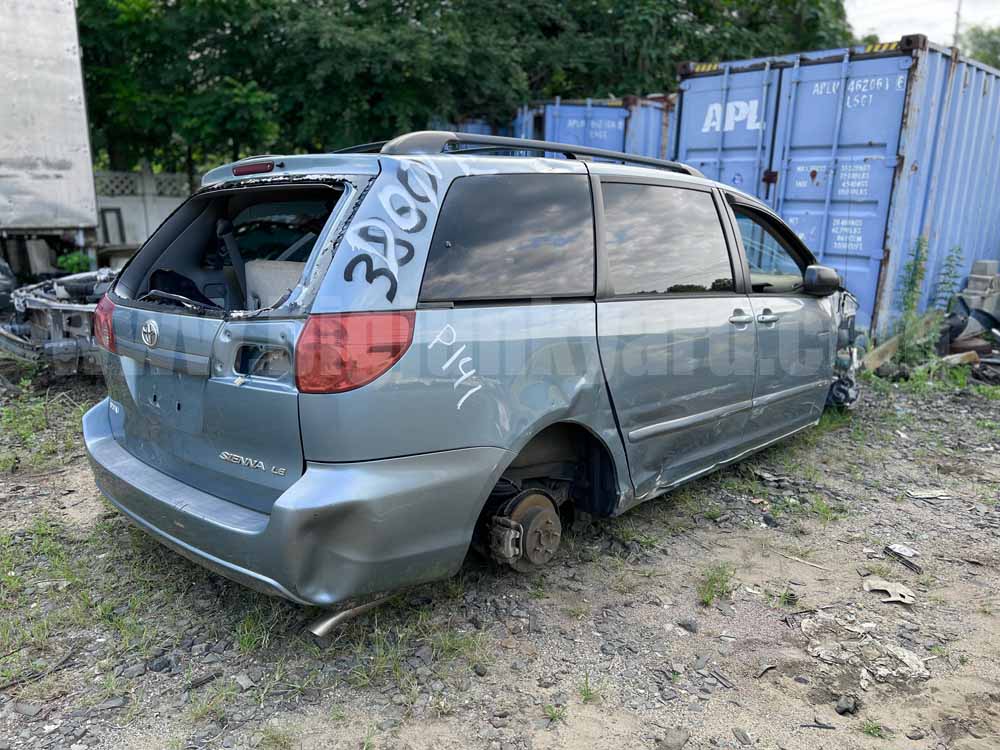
(767, 317)
(740, 318)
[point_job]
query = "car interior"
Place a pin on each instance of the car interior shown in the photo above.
(241, 249)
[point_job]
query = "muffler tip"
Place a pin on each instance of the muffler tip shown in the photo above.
(322, 627)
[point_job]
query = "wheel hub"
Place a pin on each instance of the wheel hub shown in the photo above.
(532, 530)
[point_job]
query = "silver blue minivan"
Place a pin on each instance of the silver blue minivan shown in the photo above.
(330, 376)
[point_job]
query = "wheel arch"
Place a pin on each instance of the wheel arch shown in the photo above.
(569, 440)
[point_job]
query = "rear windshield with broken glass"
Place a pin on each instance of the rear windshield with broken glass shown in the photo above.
(240, 249)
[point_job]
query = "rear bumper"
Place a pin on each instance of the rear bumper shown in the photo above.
(342, 530)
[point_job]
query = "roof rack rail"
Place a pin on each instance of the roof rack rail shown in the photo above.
(362, 148)
(436, 141)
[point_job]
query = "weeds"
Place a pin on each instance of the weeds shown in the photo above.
(823, 510)
(716, 583)
(577, 611)
(213, 704)
(989, 392)
(275, 738)
(252, 634)
(787, 598)
(555, 714)
(588, 693)
(948, 278)
(26, 415)
(36, 429)
(873, 729)
(917, 334)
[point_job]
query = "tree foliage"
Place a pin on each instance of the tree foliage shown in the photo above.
(983, 44)
(188, 82)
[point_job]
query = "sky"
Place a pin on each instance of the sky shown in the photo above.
(891, 19)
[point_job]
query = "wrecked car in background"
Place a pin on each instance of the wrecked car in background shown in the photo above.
(53, 321)
(7, 283)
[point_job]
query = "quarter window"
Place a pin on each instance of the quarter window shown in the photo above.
(664, 240)
(773, 267)
(512, 236)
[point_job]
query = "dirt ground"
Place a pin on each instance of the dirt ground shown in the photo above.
(729, 614)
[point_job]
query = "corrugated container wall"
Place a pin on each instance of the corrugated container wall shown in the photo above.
(633, 125)
(861, 150)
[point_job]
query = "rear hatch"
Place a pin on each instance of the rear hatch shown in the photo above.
(230, 434)
(204, 395)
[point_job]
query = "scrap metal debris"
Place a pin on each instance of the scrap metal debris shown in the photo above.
(903, 554)
(53, 322)
(930, 494)
(897, 592)
(765, 669)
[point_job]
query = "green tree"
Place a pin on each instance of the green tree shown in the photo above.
(983, 44)
(187, 83)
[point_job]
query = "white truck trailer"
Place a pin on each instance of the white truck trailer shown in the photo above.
(47, 201)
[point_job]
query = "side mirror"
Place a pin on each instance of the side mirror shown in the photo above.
(821, 281)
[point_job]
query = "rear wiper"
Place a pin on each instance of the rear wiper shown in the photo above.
(178, 299)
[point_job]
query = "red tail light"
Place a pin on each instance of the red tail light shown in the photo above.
(257, 168)
(342, 351)
(104, 327)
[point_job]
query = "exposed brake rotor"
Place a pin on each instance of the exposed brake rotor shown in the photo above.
(526, 530)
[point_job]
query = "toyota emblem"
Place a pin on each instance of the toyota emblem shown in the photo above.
(150, 333)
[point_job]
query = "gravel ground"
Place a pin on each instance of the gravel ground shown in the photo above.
(729, 614)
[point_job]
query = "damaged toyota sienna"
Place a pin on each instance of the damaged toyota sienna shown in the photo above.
(331, 376)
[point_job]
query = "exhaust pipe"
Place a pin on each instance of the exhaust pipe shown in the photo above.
(322, 627)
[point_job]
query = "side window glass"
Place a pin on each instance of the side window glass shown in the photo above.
(773, 268)
(664, 240)
(512, 236)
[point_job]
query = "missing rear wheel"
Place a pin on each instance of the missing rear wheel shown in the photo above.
(526, 530)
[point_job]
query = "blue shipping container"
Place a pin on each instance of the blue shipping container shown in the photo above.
(862, 151)
(635, 126)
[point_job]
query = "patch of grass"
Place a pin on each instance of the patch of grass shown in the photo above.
(833, 419)
(716, 583)
(628, 531)
(741, 482)
(588, 693)
(713, 513)
(448, 644)
(276, 738)
(988, 424)
(881, 570)
(577, 611)
(453, 588)
(212, 705)
(554, 714)
(823, 510)
(938, 650)
(35, 429)
(881, 386)
(26, 415)
(537, 590)
(624, 583)
(381, 649)
(990, 392)
(252, 633)
(873, 729)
